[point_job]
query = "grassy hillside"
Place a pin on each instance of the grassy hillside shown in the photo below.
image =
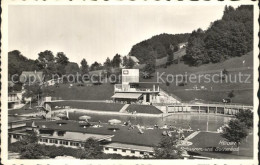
(215, 91)
(176, 55)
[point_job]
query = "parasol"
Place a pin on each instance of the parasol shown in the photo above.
(84, 117)
(114, 121)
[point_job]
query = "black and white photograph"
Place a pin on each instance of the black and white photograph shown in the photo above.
(130, 82)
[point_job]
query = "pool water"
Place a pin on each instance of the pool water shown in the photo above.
(195, 121)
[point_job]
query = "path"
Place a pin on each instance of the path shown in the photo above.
(192, 135)
(123, 109)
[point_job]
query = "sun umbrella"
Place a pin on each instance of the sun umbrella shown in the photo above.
(114, 121)
(84, 117)
(61, 115)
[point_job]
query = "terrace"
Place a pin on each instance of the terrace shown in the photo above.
(138, 87)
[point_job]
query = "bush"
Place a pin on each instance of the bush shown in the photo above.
(181, 84)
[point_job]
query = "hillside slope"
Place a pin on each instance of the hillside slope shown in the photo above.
(214, 91)
(158, 46)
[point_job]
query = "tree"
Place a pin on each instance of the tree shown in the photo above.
(61, 62)
(107, 63)
(72, 68)
(95, 66)
(160, 44)
(125, 61)
(46, 62)
(167, 83)
(229, 37)
(61, 58)
(246, 116)
(32, 91)
(92, 150)
(128, 62)
(149, 68)
(169, 59)
(35, 90)
(17, 63)
(116, 61)
(84, 66)
(131, 63)
(167, 149)
(231, 95)
(30, 149)
(225, 72)
(196, 53)
(236, 131)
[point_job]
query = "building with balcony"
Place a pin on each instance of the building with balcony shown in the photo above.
(133, 91)
(14, 100)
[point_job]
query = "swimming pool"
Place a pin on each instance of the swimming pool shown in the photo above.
(196, 121)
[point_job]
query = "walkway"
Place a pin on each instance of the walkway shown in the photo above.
(123, 109)
(192, 135)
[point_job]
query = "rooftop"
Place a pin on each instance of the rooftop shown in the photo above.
(150, 137)
(127, 95)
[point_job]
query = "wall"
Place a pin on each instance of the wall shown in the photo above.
(110, 150)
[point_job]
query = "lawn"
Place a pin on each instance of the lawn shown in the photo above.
(207, 140)
(94, 92)
(99, 106)
(24, 110)
(215, 91)
(149, 109)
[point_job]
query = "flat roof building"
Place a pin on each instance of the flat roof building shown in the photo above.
(133, 91)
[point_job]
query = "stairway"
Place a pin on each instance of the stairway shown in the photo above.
(123, 109)
(192, 135)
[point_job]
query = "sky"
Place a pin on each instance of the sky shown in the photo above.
(98, 32)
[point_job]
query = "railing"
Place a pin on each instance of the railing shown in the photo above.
(135, 90)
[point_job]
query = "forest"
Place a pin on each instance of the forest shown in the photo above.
(158, 46)
(229, 37)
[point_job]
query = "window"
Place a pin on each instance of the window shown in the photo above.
(132, 152)
(45, 140)
(114, 149)
(65, 142)
(41, 140)
(141, 152)
(106, 148)
(16, 136)
(123, 150)
(75, 144)
(56, 141)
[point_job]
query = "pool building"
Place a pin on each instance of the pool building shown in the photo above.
(115, 139)
(131, 90)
